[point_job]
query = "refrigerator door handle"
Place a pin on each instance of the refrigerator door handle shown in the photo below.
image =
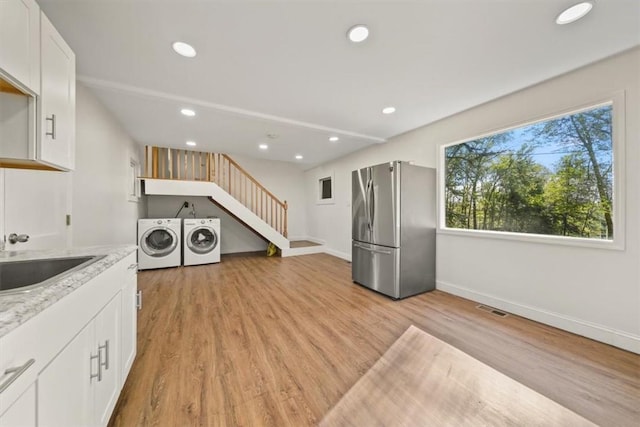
(372, 206)
(367, 205)
(377, 251)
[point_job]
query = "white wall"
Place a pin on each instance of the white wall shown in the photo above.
(593, 292)
(234, 236)
(101, 211)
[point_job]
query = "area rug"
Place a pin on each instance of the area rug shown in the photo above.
(423, 381)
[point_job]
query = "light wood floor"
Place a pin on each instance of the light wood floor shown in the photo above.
(277, 341)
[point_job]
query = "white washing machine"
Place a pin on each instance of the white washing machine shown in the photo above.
(201, 243)
(159, 243)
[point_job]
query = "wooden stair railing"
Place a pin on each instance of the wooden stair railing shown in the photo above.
(172, 163)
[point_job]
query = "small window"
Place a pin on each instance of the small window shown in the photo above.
(325, 190)
(554, 178)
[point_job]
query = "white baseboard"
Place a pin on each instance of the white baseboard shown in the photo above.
(307, 250)
(594, 331)
(344, 256)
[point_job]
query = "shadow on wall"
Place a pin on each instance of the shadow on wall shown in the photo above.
(234, 236)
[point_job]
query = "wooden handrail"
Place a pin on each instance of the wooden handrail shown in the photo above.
(175, 164)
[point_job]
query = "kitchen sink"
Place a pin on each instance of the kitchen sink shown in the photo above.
(24, 276)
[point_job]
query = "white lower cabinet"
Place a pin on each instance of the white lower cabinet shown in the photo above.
(66, 364)
(22, 413)
(64, 387)
(129, 319)
(81, 385)
(107, 388)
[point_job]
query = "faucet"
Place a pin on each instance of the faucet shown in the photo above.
(193, 210)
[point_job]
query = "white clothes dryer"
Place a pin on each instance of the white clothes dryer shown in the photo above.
(201, 243)
(159, 243)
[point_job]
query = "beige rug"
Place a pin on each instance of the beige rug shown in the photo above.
(422, 381)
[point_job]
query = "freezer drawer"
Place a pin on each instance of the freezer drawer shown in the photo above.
(376, 267)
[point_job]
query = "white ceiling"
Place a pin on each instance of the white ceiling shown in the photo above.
(286, 67)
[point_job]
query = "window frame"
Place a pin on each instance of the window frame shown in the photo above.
(133, 173)
(319, 199)
(618, 129)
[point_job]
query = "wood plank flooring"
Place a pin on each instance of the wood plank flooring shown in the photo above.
(277, 341)
(423, 380)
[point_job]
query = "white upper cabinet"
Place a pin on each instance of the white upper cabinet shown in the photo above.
(57, 103)
(20, 42)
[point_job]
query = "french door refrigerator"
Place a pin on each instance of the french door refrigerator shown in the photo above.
(394, 228)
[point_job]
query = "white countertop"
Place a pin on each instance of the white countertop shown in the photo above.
(15, 309)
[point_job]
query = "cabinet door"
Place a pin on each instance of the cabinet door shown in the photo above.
(57, 101)
(23, 411)
(20, 42)
(35, 204)
(64, 387)
(107, 390)
(129, 321)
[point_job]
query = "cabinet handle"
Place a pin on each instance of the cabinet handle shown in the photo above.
(106, 354)
(99, 374)
(15, 373)
(52, 119)
(132, 267)
(139, 300)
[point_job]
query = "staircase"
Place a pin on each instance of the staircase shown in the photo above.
(170, 171)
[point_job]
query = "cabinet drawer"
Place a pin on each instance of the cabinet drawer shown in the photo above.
(19, 354)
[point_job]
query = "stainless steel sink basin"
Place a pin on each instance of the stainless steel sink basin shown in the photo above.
(24, 276)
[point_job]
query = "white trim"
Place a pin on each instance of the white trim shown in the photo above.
(2, 232)
(154, 94)
(134, 173)
(617, 100)
(533, 238)
(591, 330)
(338, 254)
(307, 250)
(330, 201)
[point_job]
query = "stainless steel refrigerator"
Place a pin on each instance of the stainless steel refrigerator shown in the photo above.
(394, 228)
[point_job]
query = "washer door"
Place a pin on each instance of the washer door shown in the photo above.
(159, 241)
(202, 240)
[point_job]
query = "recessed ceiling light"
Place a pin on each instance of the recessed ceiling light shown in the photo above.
(334, 139)
(191, 143)
(358, 33)
(388, 110)
(299, 157)
(184, 49)
(187, 112)
(263, 146)
(574, 13)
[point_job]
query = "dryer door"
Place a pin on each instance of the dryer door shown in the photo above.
(159, 241)
(202, 240)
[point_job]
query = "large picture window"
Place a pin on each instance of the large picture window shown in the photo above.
(554, 177)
